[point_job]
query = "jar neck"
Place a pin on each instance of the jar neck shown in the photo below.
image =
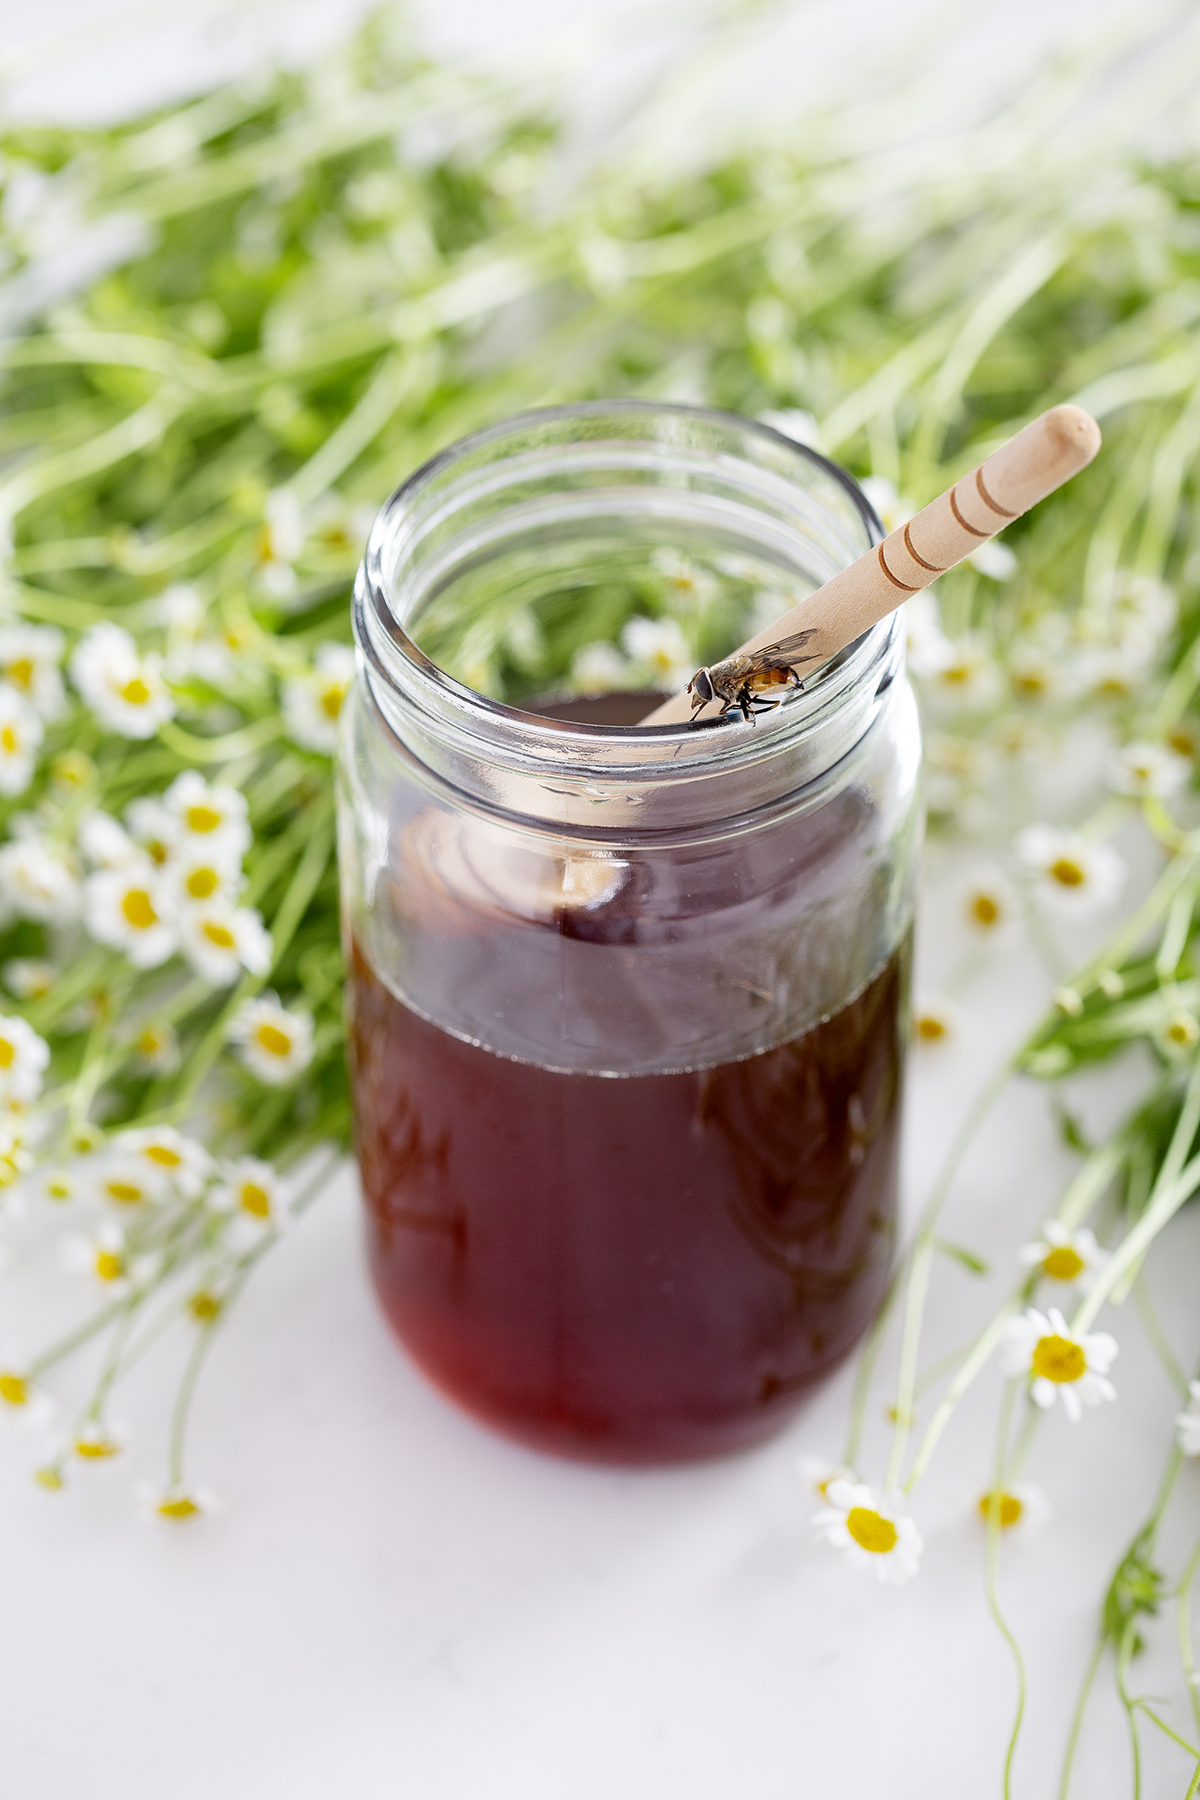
(600, 475)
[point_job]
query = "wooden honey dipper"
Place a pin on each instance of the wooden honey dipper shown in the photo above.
(1015, 477)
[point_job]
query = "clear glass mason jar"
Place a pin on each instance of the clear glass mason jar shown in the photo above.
(628, 1007)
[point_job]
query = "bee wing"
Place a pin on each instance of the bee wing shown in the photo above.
(775, 656)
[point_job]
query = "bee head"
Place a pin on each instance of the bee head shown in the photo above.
(700, 687)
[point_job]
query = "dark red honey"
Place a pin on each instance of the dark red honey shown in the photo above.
(637, 1269)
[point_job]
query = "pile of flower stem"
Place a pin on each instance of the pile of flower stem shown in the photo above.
(331, 272)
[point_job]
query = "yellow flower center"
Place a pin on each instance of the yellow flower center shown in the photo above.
(136, 692)
(58, 1187)
(158, 852)
(255, 1200)
(871, 1530)
(1182, 1030)
(1063, 1264)
(73, 768)
(95, 1449)
(1030, 682)
(125, 1193)
(163, 1155)
(138, 908)
(10, 740)
(202, 882)
(204, 1305)
(984, 910)
(220, 935)
(14, 1389)
(1067, 872)
(8, 1054)
(20, 672)
(109, 1265)
(273, 1041)
(49, 1478)
(931, 1029)
(332, 696)
(203, 818)
(1009, 1509)
(179, 1508)
(1059, 1359)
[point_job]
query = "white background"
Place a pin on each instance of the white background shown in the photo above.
(394, 1602)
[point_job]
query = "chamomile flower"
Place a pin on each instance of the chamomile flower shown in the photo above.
(936, 1022)
(1042, 1346)
(200, 878)
(818, 1472)
(280, 542)
(659, 647)
(219, 941)
(275, 1044)
(1139, 613)
(989, 906)
(124, 689)
(1038, 674)
(21, 1398)
(872, 1531)
(180, 607)
(105, 843)
(132, 909)
(1068, 1257)
(1179, 1032)
(251, 1195)
(1187, 1422)
(97, 1442)
(36, 882)
(1021, 1509)
(20, 738)
(212, 818)
(312, 702)
(598, 668)
(1147, 771)
(16, 1158)
(176, 1504)
(127, 1182)
(29, 662)
(156, 1049)
(1111, 674)
(102, 1255)
(23, 1060)
(892, 506)
(955, 769)
(1071, 876)
(153, 829)
(685, 582)
(28, 977)
(968, 680)
(168, 1154)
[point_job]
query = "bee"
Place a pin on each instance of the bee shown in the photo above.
(756, 682)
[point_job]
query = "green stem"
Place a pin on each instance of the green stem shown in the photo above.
(919, 1265)
(999, 1480)
(1081, 1700)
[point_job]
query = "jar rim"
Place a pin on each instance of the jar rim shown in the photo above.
(404, 665)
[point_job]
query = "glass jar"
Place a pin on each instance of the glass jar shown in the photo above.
(628, 1008)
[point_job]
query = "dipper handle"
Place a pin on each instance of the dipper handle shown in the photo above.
(1015, 477)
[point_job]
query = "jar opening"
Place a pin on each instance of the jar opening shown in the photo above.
(609, 546)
